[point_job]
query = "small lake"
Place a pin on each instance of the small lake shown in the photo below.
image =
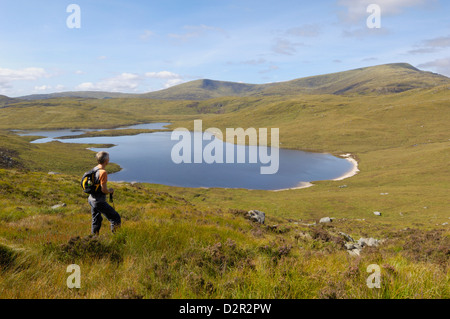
(147, 158)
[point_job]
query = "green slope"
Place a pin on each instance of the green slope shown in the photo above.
(381, 79)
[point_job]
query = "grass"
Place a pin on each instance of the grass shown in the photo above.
(196, 243)
(169, 247)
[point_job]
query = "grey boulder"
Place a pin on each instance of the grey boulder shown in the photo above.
(256, 216)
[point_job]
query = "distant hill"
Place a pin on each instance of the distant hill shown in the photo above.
(78, 94)
(5, 101)
(381, 79)
(204, 89)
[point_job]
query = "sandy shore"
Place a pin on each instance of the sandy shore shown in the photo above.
(299, 186)
(353, 171)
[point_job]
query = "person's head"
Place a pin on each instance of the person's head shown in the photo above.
(102, 158)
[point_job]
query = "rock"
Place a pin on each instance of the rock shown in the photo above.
(354, 248)
(325, 220)
(377, 213)
(347, 237)
(256, 216)
(343, 186)
(444, 224)
(371, 242)
(354, 252)
(59, 206)
(53, 173)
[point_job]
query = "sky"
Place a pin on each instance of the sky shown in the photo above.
(140, 46)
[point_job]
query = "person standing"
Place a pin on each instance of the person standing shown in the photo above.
(97, 201)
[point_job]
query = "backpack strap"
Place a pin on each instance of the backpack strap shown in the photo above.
(94, 171)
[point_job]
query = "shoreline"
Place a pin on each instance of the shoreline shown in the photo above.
(301, 185)
(353, 171)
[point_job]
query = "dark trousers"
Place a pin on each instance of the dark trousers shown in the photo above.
(102, 207)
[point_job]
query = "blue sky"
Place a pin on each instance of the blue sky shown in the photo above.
(142, 46)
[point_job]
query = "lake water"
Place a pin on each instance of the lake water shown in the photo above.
(147, 158)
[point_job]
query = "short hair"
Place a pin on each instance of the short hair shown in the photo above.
(102, 157)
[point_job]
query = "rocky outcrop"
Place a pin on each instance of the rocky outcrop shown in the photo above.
(256, 216)
(354, 248)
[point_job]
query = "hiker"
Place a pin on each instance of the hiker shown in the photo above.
(97, 200)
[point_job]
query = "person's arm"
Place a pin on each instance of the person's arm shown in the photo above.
(104, 183)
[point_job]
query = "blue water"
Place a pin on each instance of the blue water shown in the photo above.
(147, 158)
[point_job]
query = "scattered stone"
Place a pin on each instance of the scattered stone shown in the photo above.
(354, 248)
(53, 173)
(444, 224)
(313, 224)
(343, 186)
(371, 242)
(384, 193)
(256, 216)
(59, 206)
(377, 213)
(347, 237)
(325, 220)
(354, 252)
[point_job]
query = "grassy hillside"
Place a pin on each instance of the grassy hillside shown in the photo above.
(170, 247)
(381, 79)
(183, 242)
(5, 101)
(77, 94)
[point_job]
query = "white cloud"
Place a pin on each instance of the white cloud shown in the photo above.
(79, 72)
(162, 75)
(42, 88)
(357, 9)
(172, 78)
(119, 83)
(432, 45)
(441, 66)
(7, 76)
(27, 74)
(172, 82)
(102, 57)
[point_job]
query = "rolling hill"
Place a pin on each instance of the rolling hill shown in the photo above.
(381, 79)
(77, 94)
(4, 100)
